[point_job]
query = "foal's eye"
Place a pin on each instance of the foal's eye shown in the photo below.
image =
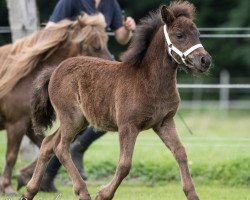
(179, 35)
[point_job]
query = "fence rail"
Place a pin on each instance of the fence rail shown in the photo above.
(6, 29)
(224, 101)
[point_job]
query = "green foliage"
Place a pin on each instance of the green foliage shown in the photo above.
(232, 173)
(235, 172)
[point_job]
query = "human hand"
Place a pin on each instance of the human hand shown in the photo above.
(129, 24)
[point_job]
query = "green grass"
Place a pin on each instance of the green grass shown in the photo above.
(168, 191)
(218, 153)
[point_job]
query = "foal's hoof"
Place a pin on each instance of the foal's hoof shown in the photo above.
(192, 196)
(103, 194)
(24, 198)
(85, 197)
(99, 197)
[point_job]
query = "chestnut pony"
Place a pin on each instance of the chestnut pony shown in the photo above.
(24, 60)
(135, 94)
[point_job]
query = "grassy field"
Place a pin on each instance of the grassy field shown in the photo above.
(218, 154)
(168, 191)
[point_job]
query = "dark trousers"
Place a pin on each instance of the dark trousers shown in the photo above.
(85, 137)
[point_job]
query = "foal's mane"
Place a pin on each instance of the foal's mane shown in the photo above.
(20, 58)
(148, 27)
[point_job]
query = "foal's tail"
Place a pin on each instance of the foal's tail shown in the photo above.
(42, 112)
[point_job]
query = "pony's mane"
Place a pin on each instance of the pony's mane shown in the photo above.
(142, 37)
(20, 58)
(147, 28)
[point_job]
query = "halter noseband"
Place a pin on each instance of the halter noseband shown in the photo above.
(171, 48)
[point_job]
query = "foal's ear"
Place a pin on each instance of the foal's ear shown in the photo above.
(167, 15)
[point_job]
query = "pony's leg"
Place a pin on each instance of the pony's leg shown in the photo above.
(15, 134)
(168, 134)
(70, 126)
(127, 138)
(45, 153)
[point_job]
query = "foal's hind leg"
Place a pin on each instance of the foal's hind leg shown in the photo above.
(71, 123)
(168, 134)
(127, 138)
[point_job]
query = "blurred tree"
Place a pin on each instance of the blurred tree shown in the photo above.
(240, 49)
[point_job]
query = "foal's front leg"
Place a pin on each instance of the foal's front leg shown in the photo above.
(127, 138)
(168, 134)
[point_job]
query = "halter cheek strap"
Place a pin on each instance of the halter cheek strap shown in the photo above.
(172, 48)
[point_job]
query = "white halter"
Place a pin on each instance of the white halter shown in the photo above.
(171, 48)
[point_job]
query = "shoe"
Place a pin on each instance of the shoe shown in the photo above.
(48, 184)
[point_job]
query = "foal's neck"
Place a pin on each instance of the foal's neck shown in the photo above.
(160, 69)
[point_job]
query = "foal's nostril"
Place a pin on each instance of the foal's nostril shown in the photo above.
(205, 61)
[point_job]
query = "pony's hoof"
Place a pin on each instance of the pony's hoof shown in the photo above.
(9, 191)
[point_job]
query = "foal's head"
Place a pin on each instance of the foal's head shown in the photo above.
(92, 36)
(182, 36)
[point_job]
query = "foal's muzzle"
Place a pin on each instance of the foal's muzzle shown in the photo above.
(200, 61)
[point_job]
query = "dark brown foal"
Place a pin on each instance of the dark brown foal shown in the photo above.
(129, 96)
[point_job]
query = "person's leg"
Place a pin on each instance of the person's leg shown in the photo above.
(82, 142)
(47, 184)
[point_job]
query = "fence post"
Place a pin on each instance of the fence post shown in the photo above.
(224, 92)
(23, 17)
